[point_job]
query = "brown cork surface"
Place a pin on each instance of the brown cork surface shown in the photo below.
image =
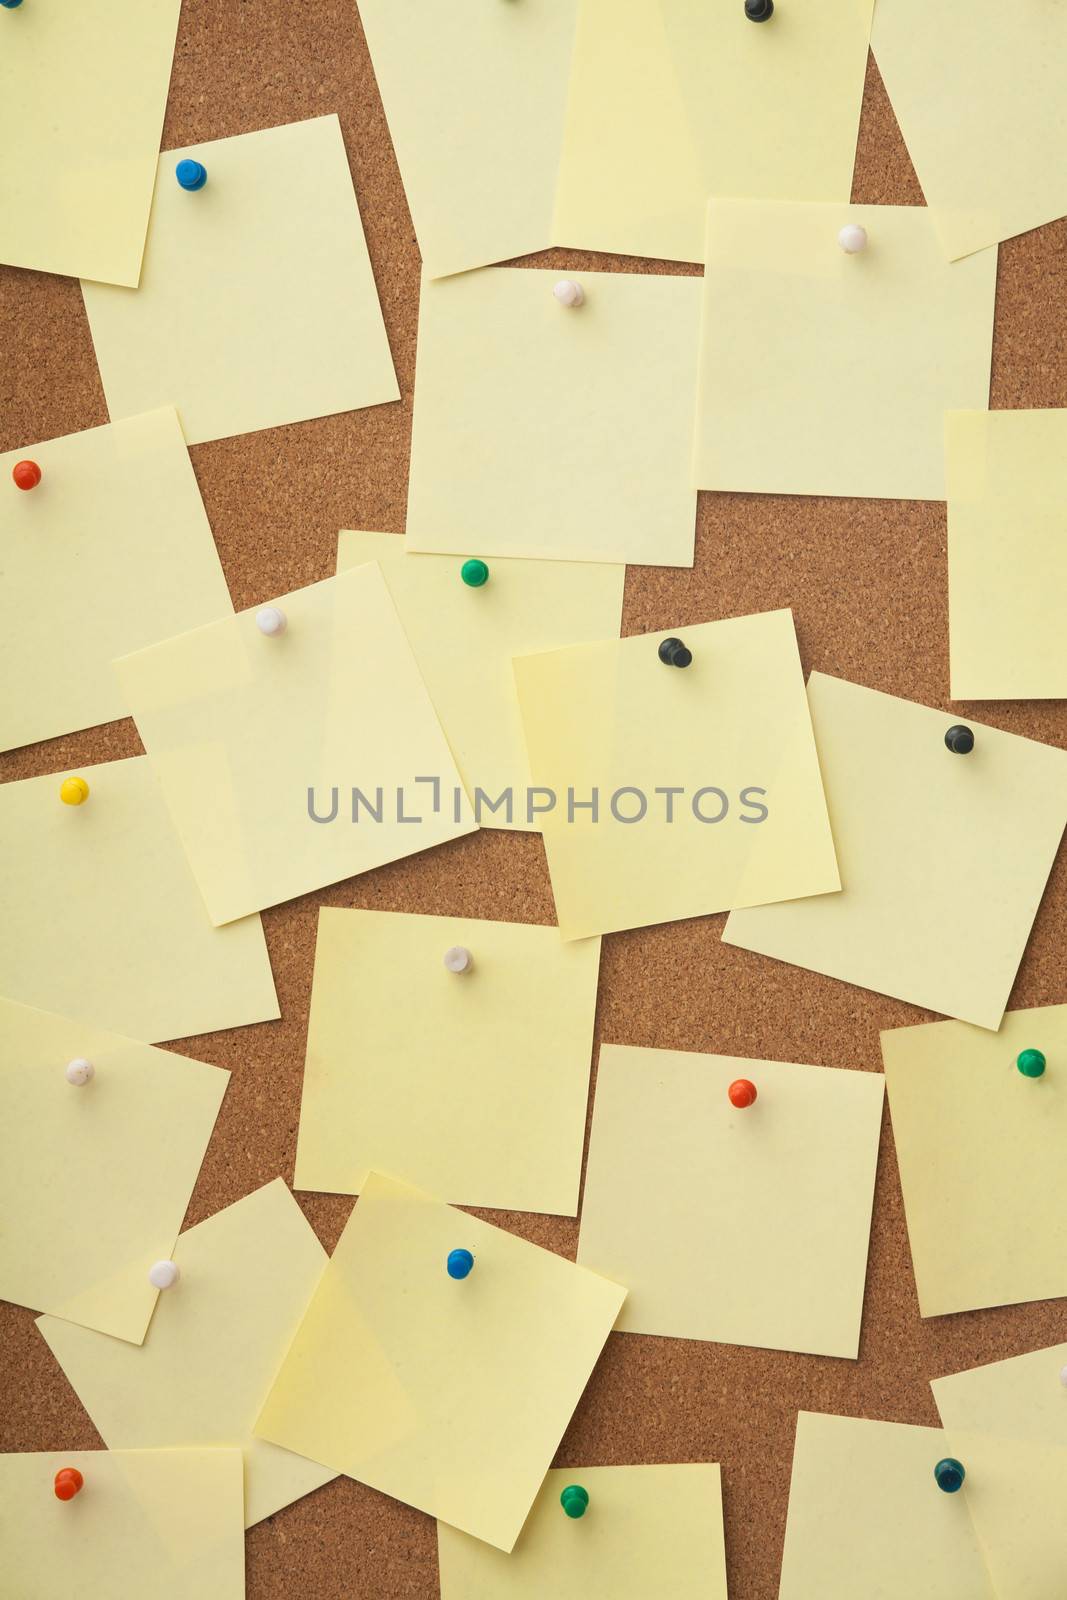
(867, 584)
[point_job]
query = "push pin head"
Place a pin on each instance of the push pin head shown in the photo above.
(10, 5)
(191, 174)
(163, 1274)
(1063, 1376)
(960, 740)
(852, 238)
(27, 474)
(759, 10)
(949, 1475)
(575, 1500)
(458, 959)
(271, 621)
(1031, 1063)
(673, 653)
(459, 1263)
(74, 791)
(742, 1093)
(68, 1480)
(474, 574)
(569, 293)
(79, 1071)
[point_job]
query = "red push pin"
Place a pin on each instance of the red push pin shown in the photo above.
(27, 474)
(742, 1093)
(68, 1481)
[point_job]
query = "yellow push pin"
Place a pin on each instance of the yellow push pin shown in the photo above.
(74, 791)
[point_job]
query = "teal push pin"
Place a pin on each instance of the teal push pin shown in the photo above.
(9, 5)
(459, 1263)
(1031, 1063)
(949, 1475)
(474, 574)
(575, 1500)
(191, 174)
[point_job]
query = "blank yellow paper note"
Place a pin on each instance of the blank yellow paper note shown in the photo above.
(474, 1085)
(451, 1395)
(463, 640)
(103, 920)
(706, 781)
(214, 1347)
(943, 857)
(981, 111)
(826, 373)
(866, 1516)
(127, 1146)
(165, 1523)
(647, 1531)
(110, 552)
(1022, 1398)
(969, 1124)
(553, 432)
(767, 1208)
(249, 733)
(1015, 1491)
(83, 89)
(474, 95)
(1007, 553)
(257, 304)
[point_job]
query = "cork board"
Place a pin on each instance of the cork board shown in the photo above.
(867, 583)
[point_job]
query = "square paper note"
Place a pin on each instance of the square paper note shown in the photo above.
(647, 1531)
(554, 432)
(472, 1085)
(767, 1208)
(257, 303)
(464, 639)
(110, 552)
(1022, 1398)
(1007, 553)
(667, 793)
(259, 740)
(214, 1348)
(103, 920)
(449, 1394)
(943, 857)
(968, 1123)
(128, 1143)
(827, 373)
(83, 89)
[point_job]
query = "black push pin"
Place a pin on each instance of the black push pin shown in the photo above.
(960, 740)
(759, 10)
(673, 653)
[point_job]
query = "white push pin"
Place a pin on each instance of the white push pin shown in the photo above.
(271, 621)
(458, 959)
(80, 1071)
(163, 1274)
(569, 293)
(852, 238)
(1063, 1376)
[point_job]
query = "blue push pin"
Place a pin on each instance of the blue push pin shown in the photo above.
(9, 5)
(949, 1475)
(459, 1263)
(190, 174)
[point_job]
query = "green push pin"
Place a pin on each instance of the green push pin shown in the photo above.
(1031, 1063)
(474, 574)
(949, 1475)
(574, 1500)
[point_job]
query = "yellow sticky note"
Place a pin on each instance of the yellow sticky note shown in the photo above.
(1022, 1398)
(257, 304)
(654, 1530)
(827, 373)
(214, 1347)
(109, 553)
(767, 1207)
(943, 857)
(981, 111)
(705, 780)
(83, 90)
(124, 1148)
(451, 1395)
(463, 640)
(1007, 553)
(575, 447)
(866, 1516)
(1015, 1491)
(258, 742)
(474, 95)
(165, 1523)
(969, 1124)
(103, 920)
(471, 1085)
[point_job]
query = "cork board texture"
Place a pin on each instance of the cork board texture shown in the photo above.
(867, 584)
